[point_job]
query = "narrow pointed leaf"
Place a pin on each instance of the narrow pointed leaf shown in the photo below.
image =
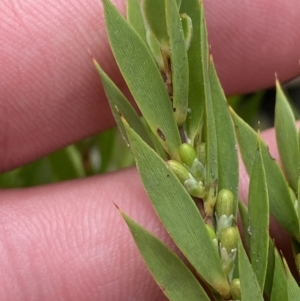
(287, 137)
(228, 166)
(187, 27)
(179, 62)
(279, 290)
(281, 205)
(178, 213)
(143, 79)
(155, 49)
(209, 118)
(194, 9)
(120, 105)
(298, 194)
(154, 15)
(135, 18)
(243, 211)
(292, 285)
(258, 203)
(270, 269)
(210, 134)
(171, 274)
(249, 286)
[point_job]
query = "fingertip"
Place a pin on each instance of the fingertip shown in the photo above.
(69, 239)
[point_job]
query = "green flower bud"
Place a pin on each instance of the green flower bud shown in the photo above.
(187, 154)
(229, 239)
(228, 259)
(195, 188)
(235, 289)
(225, 203)
(222, 223)
(201, 152)
(180, 171)
(197, 170)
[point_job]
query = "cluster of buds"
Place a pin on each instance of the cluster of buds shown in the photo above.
(228, 250)
(190, 172)
(225, 232)
(224, 210)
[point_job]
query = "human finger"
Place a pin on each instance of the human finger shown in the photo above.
(69, 242)
(50, 93)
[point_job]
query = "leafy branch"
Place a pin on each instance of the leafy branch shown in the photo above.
(163, 55)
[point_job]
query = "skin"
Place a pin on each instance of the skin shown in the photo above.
(67, 241)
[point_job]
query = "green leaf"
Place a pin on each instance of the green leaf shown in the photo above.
(287, 137)
(155, 49)
(170, 273)
(258, 203)
(298, 194)
(179, 62)
(279, 290)
(228, 165)
(270, 266)
(49, 169)
(71, 159)
(281, 205)
(247, 107)
(292, 286)
(120, 105)
(197, 55)
(104, 143)
(37, 173)
(11, 179)
(187, 27)
(270, 270)
(135, 18)
(154, 15)
(178, 213)
(210, 134)
(243, 210)
(143, 79)
(216, 297)
(249, 286)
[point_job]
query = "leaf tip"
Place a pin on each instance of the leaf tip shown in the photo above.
(277, 83)
(117, 206)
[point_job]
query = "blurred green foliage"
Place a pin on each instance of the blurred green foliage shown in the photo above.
(102, 153)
